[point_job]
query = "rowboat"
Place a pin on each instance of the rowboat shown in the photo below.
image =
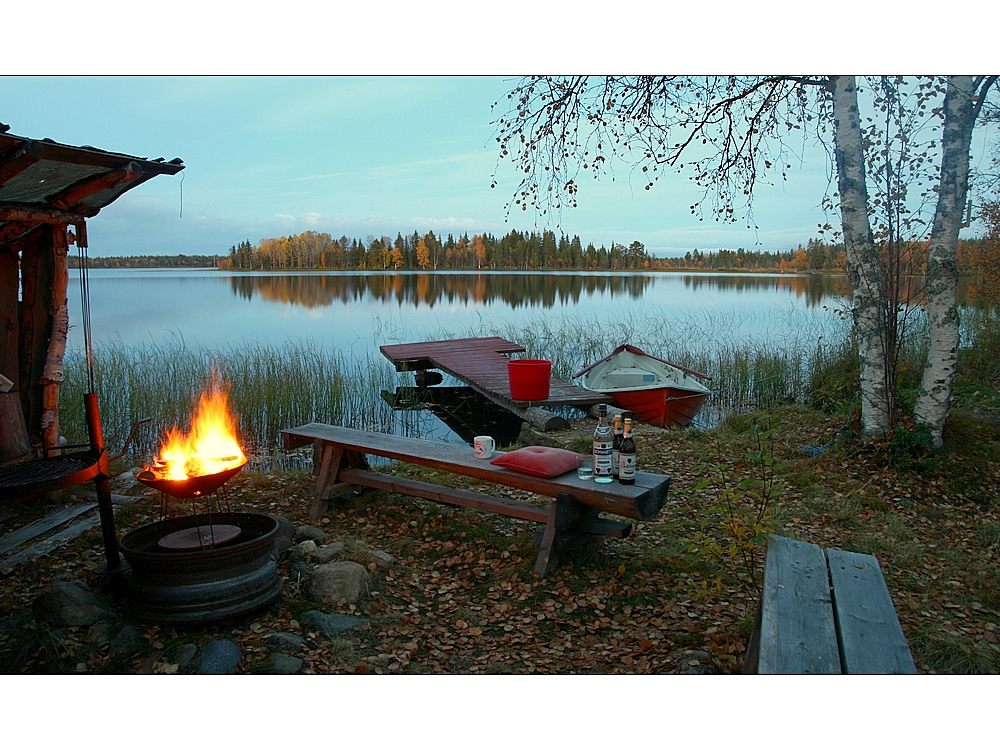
(660, 393)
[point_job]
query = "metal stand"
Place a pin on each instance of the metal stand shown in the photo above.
(113, 568)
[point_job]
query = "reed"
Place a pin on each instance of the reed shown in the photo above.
(748, 374)
(275, 386)
(270, 387)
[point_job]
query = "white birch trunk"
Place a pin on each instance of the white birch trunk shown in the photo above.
(52, 373)
(934, 398)
(862, 260)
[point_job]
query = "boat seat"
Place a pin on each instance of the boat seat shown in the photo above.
(630, 377)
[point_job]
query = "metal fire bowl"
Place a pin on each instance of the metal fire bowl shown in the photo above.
(192, 486)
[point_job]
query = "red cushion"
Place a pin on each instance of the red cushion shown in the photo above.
(538, 461)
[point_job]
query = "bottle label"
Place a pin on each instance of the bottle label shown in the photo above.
(626, 466)
(603, 460)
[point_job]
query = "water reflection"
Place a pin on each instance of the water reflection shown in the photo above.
(811, 289)
(513, 290)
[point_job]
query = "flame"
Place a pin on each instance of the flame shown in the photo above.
(210, 447)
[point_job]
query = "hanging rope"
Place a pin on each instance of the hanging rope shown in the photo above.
(88, 346)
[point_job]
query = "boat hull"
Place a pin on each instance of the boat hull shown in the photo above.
(659, 392)
(661, 407)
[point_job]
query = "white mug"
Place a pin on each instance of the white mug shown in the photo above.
(484, 446)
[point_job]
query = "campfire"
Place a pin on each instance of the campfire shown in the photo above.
(204, 459)
(196, 567)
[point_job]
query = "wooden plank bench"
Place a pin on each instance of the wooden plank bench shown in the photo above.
(571, 518)
(825, 612)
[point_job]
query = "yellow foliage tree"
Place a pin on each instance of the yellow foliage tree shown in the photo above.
(423, 255)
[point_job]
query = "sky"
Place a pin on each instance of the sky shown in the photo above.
(358, 147)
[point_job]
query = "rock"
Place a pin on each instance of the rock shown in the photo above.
(284, 664)
(328, 552)
(382, 559)
(285, 642)
(100, 633)
(692, 661)
(343, 581)
(283, 539)
(307, 547)
(299, 570)
(128, 640)
(69, 603)
(220, 657)
(310, 532)
(330, 624)
(185, 654)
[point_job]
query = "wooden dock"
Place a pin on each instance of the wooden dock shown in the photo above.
(481, 363)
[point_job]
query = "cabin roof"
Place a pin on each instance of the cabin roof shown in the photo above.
(44, 182)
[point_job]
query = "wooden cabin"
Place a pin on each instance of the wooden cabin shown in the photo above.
(47, 192)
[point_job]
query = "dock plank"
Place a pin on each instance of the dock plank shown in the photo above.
(482, 364)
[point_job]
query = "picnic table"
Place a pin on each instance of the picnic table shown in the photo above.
(572, 517)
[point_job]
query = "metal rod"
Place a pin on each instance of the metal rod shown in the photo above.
(103, 487)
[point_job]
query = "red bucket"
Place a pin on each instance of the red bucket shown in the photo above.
(529, 379)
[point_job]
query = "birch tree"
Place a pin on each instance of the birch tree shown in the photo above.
(733, 133)
(963, 101)
(863, 266)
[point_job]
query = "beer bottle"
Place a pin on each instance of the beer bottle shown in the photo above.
(603, 467)
(616, 444)
(626, 465)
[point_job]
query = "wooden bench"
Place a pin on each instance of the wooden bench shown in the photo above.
(571, 518)
(825, 612)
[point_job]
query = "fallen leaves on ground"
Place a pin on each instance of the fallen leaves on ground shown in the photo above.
(461, 597)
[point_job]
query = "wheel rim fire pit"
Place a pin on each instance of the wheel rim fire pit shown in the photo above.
(233, 574)
(206, 565)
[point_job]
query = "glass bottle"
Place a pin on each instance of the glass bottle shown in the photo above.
(616, 445)
(626, 459)
(603, 439)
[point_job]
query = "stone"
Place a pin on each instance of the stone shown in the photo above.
(128, 640)
(283, 539)
(285, 642)
(344, 581)
(382, 559)
(100, 632)
(220, 657)
(693, 661)
(306, 547)
(284, 664)
(328, 552)
(330, 624)
(66, 603)
(310, 532)
(185, 654)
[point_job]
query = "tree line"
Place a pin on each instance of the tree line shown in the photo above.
(312, 250)
(148, 261)
(545, 251)
(514, 251)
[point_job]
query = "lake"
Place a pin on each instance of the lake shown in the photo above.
(357, 312)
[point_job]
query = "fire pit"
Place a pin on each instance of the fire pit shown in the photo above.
(203, 566)
(188, 487)
(179, 573)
